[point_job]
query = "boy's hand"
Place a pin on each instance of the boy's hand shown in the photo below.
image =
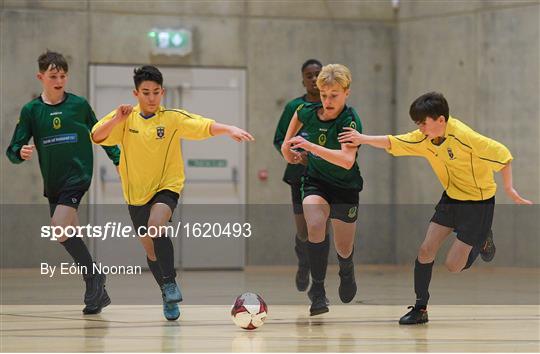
(351, 136)
(26, 152)
(299, 142)
(512, 193)
(240, 134)
(123, 111)
(302, 159)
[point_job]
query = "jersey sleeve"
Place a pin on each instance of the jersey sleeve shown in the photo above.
(21, 136)
(283, 124)
(352, 121)
(409, 144)
(112, 151)
(303, 113)
(495, 154)
(116, 135)
(193, 126)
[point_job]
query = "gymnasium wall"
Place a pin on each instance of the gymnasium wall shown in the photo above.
(484, 55)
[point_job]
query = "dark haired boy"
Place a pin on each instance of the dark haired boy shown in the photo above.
(60, 123)
(464, 162)
(293, 172)
(152, 169)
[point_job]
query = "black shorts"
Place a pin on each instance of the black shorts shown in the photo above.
(296, 196)
(71, 198)
(343, 202)
(471, 220)
(141, 213)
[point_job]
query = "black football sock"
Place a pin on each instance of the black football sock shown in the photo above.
(79, 252)
(301, 253)
(156, 270)
(346, 265)
(163, 248)
(318, 260)
(422, 277)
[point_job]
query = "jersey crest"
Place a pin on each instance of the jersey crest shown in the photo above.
(451, 154)
(57, 123)
(322, 139)
(160, 132)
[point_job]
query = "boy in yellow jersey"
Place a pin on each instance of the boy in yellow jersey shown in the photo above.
(464, 162)
(152, 170)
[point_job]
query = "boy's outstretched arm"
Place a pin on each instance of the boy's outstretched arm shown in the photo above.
(352, 137)
(102, 131)
(506, 172)
(230, 130)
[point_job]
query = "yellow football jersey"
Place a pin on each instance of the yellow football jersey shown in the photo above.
(150, 150)
(464, 162)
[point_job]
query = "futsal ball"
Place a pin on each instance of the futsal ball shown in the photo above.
(249, 311)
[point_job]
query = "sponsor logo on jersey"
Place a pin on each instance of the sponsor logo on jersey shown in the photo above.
(74, 200)
(323, 129)
(160, 132)
(60, 139)
(352, 212)
(451, 154)
(322, 139)
(57, 123)
(133, 131)
(353, 125)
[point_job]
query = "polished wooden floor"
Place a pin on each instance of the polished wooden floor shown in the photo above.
(485, 310)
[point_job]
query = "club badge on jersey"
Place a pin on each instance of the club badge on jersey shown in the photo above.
(57, 123)
(160, 132)
(451, 154)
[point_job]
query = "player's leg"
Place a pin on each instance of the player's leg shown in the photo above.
(160, 214)
(300, 247)
(63, 214)
(105, 299)
(344, 213)
(473, 228)
(457, 256)
(302, 274)
(344, 234)
(435, 236)
(316, 213)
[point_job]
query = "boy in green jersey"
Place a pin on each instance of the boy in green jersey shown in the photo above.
(332, 182)
(294, 172)
(60, 124)
(464, 162)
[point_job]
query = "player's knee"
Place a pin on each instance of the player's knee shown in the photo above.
(155, 229)
(343, 250)
(426, 253)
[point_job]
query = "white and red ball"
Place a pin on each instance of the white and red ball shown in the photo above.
(249, 311)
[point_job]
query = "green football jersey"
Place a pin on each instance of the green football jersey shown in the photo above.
(61, 135)
(293, 172)
(325, 133)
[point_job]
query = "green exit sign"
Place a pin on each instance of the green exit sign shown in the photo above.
(220, 163)
(171, 41)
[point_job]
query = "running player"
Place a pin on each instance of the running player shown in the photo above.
(464, 162)
(332, 183)
(152, 170)
(60, 123)
(294, 172)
